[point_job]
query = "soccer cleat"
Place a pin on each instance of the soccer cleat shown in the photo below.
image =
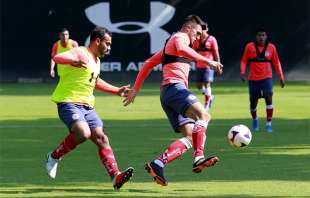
(199, 165)
(157, 173)
(269, 128)
(121, 178)
(255, 125)
(51, 165)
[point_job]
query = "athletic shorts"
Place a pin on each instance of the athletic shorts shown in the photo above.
(204, 75)
(70, 113)
(175, 99)
(260, 88)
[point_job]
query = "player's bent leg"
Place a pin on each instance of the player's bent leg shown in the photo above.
(269, 112)
(119, 178)
(253, 111)
(79, 133)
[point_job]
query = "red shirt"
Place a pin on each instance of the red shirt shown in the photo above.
(261, 70)
(211, 45)
(178, 45)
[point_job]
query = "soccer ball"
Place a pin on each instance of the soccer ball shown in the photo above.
(239, 136)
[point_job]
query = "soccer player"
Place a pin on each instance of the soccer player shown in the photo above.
(206, 46)
(185, 113)
(63, 44)
(261, 55)
(75, 101)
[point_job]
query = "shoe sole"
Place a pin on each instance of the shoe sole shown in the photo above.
(128, 173)
(211, 161)
(157, 178)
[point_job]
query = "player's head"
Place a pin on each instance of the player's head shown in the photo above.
(193, 27)
(100, 41)
(64, 35)
(261, 36)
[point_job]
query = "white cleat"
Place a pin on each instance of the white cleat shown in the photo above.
(51, 166)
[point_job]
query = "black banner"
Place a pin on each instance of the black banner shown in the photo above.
(29, 29)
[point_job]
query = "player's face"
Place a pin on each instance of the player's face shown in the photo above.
(261, 37)
(104, 46)
(64, 36)
(195, 33)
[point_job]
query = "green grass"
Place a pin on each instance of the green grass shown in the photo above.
(274, 165)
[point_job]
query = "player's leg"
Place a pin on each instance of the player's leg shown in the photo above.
(199, 80)
(254, 92)
(174, 151)
(72, 115)
(267, 92)
(105, 151)
(208, 79)
(201, 117)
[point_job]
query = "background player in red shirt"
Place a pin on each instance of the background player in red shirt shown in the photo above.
(63, 44)
(261, 55)
(206, 46)
(185, 113)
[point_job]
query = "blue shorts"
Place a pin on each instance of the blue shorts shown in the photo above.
(260, 88)
(204, 75)
(175, 99)
(70, 113)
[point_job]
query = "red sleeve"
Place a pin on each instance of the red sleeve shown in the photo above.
(75, 44)
(276, 62)
(244, 60)
(54, 50)
(68, 57)
(102, 85)
(146, 69)
(184, 50)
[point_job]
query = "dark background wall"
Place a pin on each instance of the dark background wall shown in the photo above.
(29, 28)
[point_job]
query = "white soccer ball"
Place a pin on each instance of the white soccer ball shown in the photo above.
(239, 136)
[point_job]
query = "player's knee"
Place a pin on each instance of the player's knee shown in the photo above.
(205, 116)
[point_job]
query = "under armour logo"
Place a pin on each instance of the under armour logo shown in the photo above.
(161, 13)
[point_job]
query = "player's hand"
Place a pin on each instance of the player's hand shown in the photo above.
(52, 73)
(217, 66)
(243, 77)
(123, 91)
(282, 83)
(79, 63)
(130, 97)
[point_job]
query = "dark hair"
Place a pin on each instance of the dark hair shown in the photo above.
(99, 32)
(63, 30)
(260, 29)
(196, 19)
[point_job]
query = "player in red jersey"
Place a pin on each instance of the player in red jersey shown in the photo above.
(185, 113)
(75, 103)
(63, 44)
(206, 46)
(261, 55)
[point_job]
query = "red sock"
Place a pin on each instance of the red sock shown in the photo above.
(253, 113)
(175, 150)
(207, 99)
(269, 114)
(66, 146)
(108, 160)
(199, 138)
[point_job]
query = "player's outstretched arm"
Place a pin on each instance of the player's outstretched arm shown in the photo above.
(106, 87)
(74, 57)
(146, 69)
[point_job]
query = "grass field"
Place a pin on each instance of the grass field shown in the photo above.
(274, 165)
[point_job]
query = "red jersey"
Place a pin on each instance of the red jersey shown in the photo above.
(206, 48)
(260, 62)
(174, 72)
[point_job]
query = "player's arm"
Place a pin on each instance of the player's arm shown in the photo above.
(243, 64)
(104, 86)
(187, 52)
(74, 57)
(146, 69)
(276, 62)
(52, 62)
(75, 44)
(215, 50)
